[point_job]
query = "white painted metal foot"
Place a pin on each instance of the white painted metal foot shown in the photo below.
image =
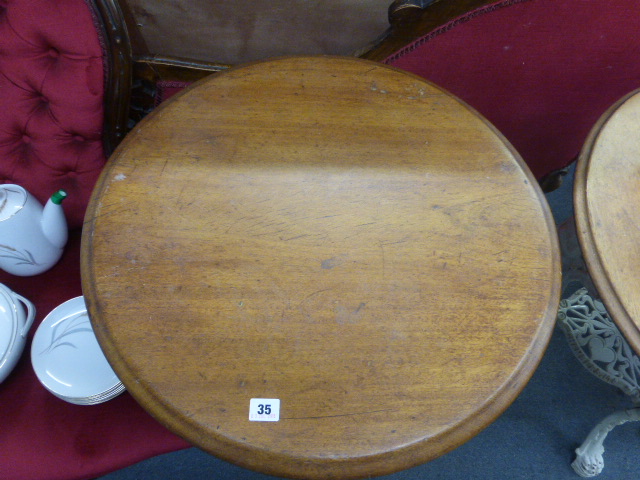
(589, 461)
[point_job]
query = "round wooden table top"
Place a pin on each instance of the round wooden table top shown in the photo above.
(607, 200)
(331, 233)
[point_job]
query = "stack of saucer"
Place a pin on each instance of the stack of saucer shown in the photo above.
(67, 359)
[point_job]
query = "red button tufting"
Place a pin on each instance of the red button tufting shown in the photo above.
(26, 138)
(54, 53)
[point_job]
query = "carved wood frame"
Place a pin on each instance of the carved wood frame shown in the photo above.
(118, 70)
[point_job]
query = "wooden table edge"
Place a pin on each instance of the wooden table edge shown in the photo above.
(586, 232)
(359, 467)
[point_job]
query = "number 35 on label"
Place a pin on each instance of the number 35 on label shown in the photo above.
(264, 410)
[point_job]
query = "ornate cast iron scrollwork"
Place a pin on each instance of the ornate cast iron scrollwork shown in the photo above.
(598, 343)
(603, 350)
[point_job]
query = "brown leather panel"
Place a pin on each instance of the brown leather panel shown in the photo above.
(244, 30)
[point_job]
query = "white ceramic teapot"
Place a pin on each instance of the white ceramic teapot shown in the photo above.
(16, 317)
(32, 238)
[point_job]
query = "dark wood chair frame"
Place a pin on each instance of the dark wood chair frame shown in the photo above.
(134, 72)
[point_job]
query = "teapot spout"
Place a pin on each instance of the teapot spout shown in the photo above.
(54, 223)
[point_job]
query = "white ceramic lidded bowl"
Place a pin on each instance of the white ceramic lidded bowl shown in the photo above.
(16, 317)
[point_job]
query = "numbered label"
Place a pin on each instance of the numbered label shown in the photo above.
(264, 410)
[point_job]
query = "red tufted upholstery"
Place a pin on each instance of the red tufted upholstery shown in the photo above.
(51, 125)
(542, 71)
(51, 100)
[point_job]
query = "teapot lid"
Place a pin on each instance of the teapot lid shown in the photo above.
(8, 323)
(12, 199)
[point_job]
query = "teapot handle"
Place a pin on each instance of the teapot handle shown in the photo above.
(31, 313)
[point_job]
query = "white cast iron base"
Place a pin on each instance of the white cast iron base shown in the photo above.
(589, 461)
(601, 348)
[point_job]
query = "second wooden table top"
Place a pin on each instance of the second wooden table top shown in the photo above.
(606, 198)
(332, 233)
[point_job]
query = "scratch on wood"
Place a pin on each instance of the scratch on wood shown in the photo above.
(332, 262)
(339, 415)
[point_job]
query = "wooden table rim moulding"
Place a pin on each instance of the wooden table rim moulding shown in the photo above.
(586, 231)
(282, 463)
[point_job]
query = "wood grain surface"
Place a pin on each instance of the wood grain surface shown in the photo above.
(333, 233)
(607, 197)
